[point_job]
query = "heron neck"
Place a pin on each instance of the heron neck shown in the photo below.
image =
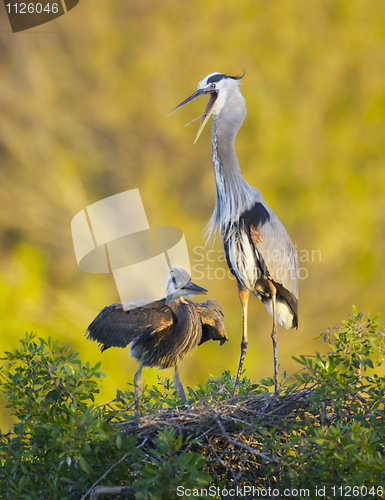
(226, 167)
(234, 194)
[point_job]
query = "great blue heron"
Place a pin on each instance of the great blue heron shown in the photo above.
(162, 332)
(258, 249)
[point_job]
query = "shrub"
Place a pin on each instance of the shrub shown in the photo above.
(321, 437)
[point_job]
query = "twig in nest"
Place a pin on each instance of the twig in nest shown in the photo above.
(220, 460)
(244, 446)
(242, 468)
(112, 490)
(102, 477)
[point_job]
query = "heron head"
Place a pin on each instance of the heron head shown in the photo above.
(179, 284)
(218, 86)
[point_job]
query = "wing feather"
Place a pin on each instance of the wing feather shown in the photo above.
(211, 316)
(278, 255)
(116, 327)
(259, 248)
(277, 259)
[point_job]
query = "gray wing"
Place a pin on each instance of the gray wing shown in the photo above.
(211, 316)
(259, 248)
(275, 253)
(115, 327)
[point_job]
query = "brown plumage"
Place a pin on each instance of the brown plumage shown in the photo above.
(161, 333)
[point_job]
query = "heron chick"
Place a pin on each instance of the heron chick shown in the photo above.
(258, 250)
(161, 333)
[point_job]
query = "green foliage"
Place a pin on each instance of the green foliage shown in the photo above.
(63, 444)
(168, 467)
(164, 395)
(221, 388)
(345, 444)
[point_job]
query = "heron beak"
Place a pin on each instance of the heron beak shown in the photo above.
(193, 289)
(193, 96)
(207, 113)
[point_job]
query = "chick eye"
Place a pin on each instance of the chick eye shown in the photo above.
(212, 85)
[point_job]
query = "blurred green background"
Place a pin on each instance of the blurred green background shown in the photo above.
(83, 115)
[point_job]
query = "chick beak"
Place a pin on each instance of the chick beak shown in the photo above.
(194, 289)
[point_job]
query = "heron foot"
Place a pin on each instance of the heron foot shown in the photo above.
(179, 386)
(274, 337)
(244, 346)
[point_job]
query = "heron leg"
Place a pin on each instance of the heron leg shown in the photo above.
(244, 298)
(274, 335)
(138, 387)
(178, 386)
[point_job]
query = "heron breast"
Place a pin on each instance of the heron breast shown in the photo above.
(241, 256)
(167, 348)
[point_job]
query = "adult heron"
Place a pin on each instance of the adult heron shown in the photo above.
(259, 251)
(161, 332)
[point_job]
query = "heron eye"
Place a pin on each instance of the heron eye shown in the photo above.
(212, 85)
(179, 284)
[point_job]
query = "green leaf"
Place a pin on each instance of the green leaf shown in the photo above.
(72, 355)
(84, 464)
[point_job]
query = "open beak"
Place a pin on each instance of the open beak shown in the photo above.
(209, 108)
(194, 289)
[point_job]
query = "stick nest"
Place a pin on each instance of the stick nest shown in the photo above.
(231, 435)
